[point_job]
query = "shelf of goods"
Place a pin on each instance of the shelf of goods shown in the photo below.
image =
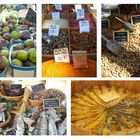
(69, 36)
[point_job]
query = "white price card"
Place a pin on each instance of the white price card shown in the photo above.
(58, 6)
(80, 14)
(61, 55)
(53, 30)
(84, 26)
(55, 15)
(78, 6)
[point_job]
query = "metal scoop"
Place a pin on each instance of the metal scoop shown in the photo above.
(113, 46)
(128, 25)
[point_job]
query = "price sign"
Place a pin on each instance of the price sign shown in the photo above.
(55, 15)
(137, 6)
(78, 6)
(58, 6)
(115, 10)
(15, 86)
(135, 19)
(11, 131)
(53, 30)
(121, 36)
(84, 26)
(51, 103)
(61, 55)
(80, 13)
(106, 10)
(31, 15)
(38, 87)
(105, 23)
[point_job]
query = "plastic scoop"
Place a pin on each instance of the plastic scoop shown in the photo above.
(113, 46)
(128, 25)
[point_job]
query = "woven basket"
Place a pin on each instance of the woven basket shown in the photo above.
(35, 102)
(8, 119)
(11, 98)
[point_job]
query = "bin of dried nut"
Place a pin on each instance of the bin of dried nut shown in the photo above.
(127, 64)
(54, 42)
(83, 41)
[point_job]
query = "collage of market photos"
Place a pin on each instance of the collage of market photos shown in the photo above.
(73, 75)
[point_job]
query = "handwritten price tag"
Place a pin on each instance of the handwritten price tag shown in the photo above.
(80, 13)
(55, 15)
(53, 30)
(84, 26)
(58, 6)
(61, 55)
(78, 6)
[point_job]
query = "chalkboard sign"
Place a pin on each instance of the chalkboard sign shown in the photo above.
(105, 23)
(121, 36)
(38, 87)
(115, 10)
(106, 10)
(51, 103)
(31, 15)
(10, 131)
(15, 86)
(135, 19)
(137, 6)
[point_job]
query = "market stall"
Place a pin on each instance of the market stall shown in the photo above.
(105, 108)
(121, 23)
(68, 40)
(17, 40)
(33, 107)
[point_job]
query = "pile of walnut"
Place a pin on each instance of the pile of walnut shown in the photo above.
(127, 64)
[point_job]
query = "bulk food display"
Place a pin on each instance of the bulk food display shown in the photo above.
(68, 32)
(28, 109)
(121, 23)
(18, 40)
(105, 108)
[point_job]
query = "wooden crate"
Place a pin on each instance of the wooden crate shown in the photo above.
(77, 86)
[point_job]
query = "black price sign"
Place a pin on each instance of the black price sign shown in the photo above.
(105, 23)
(10, 131)
(51, 103)
(15, 86)
(115, 10)
(105, 10)
(137, 6)
(121, 36)
(31, 15)
(38, 87)
(135, 19)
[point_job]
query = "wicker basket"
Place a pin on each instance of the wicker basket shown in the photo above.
(11, 98)
(8, 119)
(35, 102)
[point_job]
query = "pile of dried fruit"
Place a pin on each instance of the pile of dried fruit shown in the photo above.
(54, 42)
(83, 41)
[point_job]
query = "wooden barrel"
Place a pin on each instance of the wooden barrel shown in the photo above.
(78, 86)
